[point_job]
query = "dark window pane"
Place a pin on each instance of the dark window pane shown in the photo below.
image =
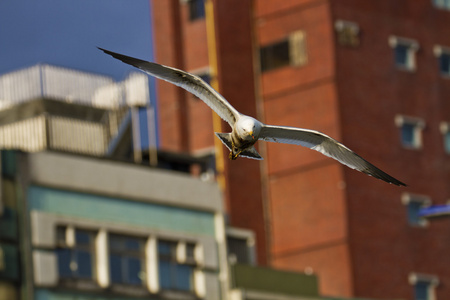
(132, 244)
(61, 235)
(206, 77)
(165, 274)
(401, 55)
(190, 251)
(184, 277)
(407, 132)
(413, 212)
(444, 63)
(82, 237)
(84, 262)
(115, 268)
(115, 243)
(126, 256)
(166, 248)
(421, 291)
(64, 259)
(274, 56)
(239, 248)
(196, 9)
(134, 268)
(447, 142)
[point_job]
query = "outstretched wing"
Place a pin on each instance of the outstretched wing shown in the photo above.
(187, 81)
(325, 145)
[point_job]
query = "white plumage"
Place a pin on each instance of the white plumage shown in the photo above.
(246, 131)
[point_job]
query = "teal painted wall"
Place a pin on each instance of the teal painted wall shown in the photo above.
(41, 294)
(120, 211)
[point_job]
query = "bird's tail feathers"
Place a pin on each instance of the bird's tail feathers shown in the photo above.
(248, 153)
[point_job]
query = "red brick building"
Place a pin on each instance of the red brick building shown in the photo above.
(372, 74)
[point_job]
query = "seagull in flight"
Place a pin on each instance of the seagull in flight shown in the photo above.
(246, 131)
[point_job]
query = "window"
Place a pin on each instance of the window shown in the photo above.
(410, 131)
(414, 203)
(445, 4)
(75, 253)
(176, 263)
(444, 63)
(291, 51)
(404, 52)
(424, 286)
(126, 260)
(206, 77)
(241, 246)
(347, 33)
(443, 56)
(196, 9)
(445, 130)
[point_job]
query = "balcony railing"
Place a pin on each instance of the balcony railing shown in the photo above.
(72, 86)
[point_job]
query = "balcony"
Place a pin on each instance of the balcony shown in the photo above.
(249, 282)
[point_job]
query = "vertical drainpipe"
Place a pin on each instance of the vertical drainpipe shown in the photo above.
(220, 165)
(136, 133)
(217, 122)
(22, 183)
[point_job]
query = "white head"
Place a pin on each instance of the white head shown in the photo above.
(248, 128)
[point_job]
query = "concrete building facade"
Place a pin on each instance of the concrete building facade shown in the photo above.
(92, 227)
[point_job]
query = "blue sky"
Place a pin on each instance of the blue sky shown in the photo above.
(66, 33)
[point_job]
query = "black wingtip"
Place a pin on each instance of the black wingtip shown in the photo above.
(387, 178)
(392, 180)
(106, 51)
(135, 62)
(399, 183)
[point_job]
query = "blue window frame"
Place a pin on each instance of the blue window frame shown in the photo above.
(414, 205)
(206, 77)
(444, 4)
(77, 261)
(401, 56)
(421, 290)
(424, 286)
(447, 142)
(408, 135)
(444, 63)
(404, 52)
(410, 131)
(172, 274)
(274, 56)
(196, 9)
(126, 259)
(413, 208)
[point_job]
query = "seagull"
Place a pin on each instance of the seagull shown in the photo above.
(246, 131)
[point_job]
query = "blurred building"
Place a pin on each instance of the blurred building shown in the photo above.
(50, 107)
(89, 226)
(81, 217)
(372, 74)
